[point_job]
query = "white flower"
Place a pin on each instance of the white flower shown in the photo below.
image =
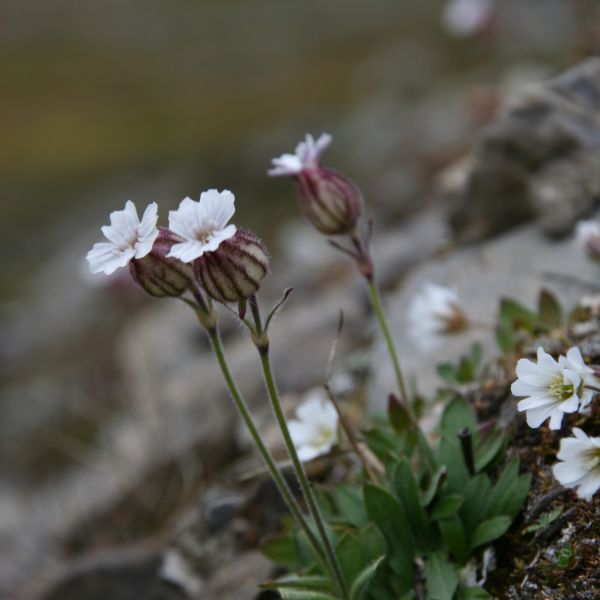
(434, 312)
(202, 225)
(574, 362)
(551, 389)
(587, 236)
(315, 431)
(463, 18)
(128, 238)
(581, 464)
(307, 156)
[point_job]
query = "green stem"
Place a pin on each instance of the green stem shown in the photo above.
(302, 478)
(385, 330)
(244, 411)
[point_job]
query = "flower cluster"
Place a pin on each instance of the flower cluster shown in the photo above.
(552, 388)
(199, 250)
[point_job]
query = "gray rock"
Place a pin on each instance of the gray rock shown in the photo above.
(536, 160)
(517, 265)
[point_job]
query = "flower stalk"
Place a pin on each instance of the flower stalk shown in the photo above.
(261, 341)
(242, 407)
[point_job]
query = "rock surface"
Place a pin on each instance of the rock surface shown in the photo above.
(517, 265)
(537, 160)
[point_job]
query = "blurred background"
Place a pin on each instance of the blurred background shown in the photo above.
(101, 102)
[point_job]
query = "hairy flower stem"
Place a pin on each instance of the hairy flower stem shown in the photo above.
(301, 474)
(244, 412)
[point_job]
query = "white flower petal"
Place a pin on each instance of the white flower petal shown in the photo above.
(306, 156)
(128, 238)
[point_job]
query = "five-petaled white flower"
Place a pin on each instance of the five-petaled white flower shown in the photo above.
(202, 225)
(435, 311)
(551, 389)
(128, 237)
(315, 431)
(307, 156)
(581, 464)
(574, 361)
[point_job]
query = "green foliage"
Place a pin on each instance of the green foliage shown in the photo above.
(515, 319)
(466, 371)
(544, 520)
(437, 506)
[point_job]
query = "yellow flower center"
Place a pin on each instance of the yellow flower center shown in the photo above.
(559, 390)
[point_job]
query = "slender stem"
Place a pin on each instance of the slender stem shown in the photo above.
(385, 330)
(244, 411)
(592, 387)
(302, 478)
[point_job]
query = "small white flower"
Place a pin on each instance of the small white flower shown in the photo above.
(551, 390)
(202, 225)
(307, 156)
(128, 238)
(434, 312)
(315, 431)
(463, 18)
(581, 464)
(587, 236)
(574, 362)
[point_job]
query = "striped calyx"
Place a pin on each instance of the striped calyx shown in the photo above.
(233, 272)
(161, 276)
(329, 200)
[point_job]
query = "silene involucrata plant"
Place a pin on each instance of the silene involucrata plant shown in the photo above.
(423, 505)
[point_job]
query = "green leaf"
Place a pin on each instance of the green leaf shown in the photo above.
(282, 551)
(386, 512)
(518, 315)
(490, 530)
(476, 355)
(351, 556)
(408, 493)
(466, 371)
(457, 417)
(363, 579)
(441, 576)
(549, 309)
(447, 372)
(398, 415)
(476, 494)
(317, 583)
(472, 593)
(434, 485)
(509, 492)
(348, 499)
(453, 534)
(488, 449)
(505, 337)
(447, 506)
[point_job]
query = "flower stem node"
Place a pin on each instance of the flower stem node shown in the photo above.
(329, 200)
(159, 275)
(234, 271)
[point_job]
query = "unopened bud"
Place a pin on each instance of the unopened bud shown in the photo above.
(161, 276)
(234, 271)
(329, 200)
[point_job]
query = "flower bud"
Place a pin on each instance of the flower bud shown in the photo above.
(233, 272)
(161, 276)
(329, 200)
